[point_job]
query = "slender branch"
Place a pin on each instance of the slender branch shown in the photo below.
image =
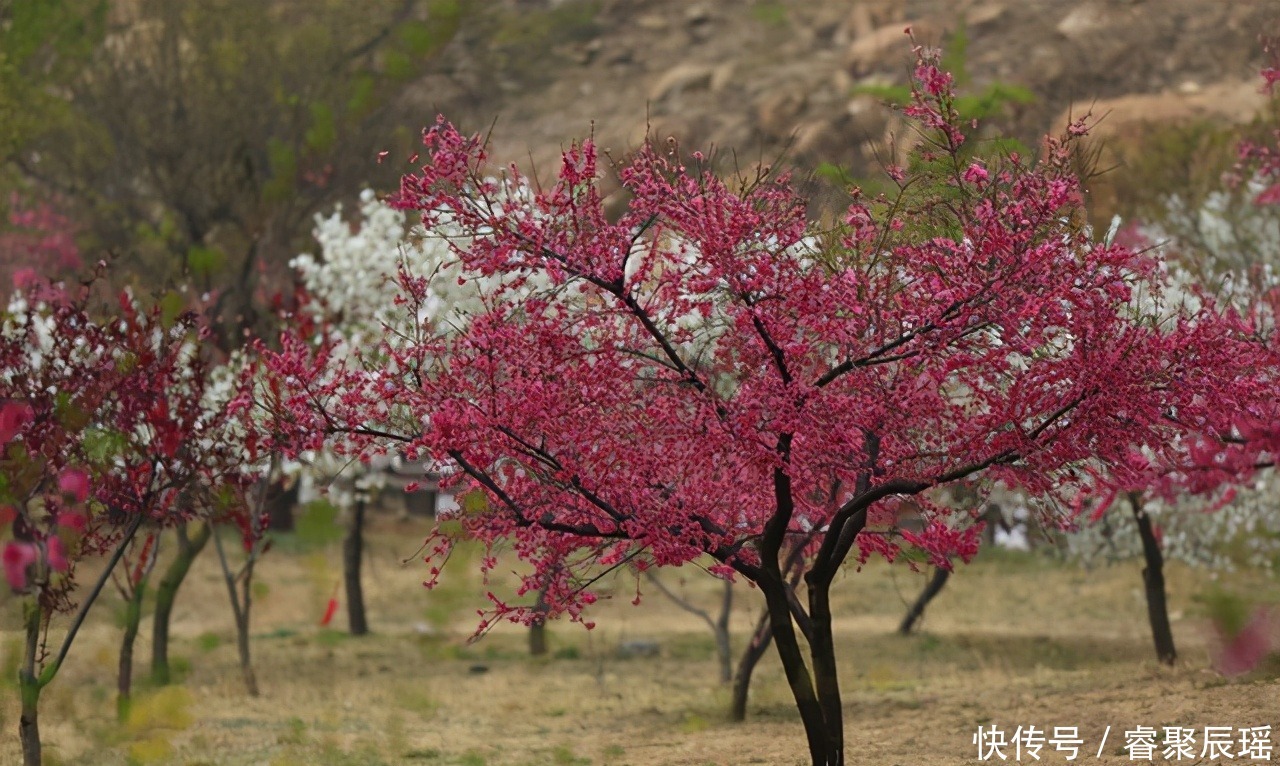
(679, 600)
(549, 524)
(92, 596)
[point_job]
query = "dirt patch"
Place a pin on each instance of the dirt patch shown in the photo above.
(765, 76)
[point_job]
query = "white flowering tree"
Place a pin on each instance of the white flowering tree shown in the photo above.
(352, 288)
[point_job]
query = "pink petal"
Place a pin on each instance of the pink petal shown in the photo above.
(1268, 196)
(17, 557)
(57, 554)
(75, 483)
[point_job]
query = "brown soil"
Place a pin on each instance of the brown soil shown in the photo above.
(1014, 640)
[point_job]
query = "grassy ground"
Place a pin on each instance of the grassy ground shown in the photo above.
(1013, 640)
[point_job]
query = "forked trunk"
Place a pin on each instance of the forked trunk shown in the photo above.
(826, 746)
(822, 651)
(931, 589)
(1153, 580)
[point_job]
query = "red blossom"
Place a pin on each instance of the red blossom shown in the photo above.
(13, 416)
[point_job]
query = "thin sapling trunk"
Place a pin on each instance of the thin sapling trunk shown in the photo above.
(189, 547)
(719, 624)
(29, 687)
(239, 588)
(757, 647)
(937, 581)
(35, 673)
(133, 589)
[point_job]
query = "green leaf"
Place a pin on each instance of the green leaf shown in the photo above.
(102, 445)
(836, 174)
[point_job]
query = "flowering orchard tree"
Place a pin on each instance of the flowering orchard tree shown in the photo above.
(349, 300)
(103, 433)
(708, 377)
(1189, 508)
(1203, 502)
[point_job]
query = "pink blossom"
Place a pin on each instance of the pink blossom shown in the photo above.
(975, 174)
(17, 557)
(57, 555)
(24, 278)
(74, 483)
(1270, 76)
(1268, 196)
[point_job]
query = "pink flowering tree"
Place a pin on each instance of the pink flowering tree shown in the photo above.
(1211, 491)
(39, 242)
(99, 441)
(707, 378)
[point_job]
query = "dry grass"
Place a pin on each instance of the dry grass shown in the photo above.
(1013, 640)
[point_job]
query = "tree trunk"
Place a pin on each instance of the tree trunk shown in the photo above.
(29, 728)
(242, 633)
(124, 678)
(167, 592)
(538, 628)
(240, 610)
(761, 637)
(352, 552)
(1153, 579)
(822, 650)
(724, 650)
(932, 589)
(824, 747)
(29, 689)
(280, 507)
(246, 660)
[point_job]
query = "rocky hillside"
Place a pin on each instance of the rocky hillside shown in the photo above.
(756, 76)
